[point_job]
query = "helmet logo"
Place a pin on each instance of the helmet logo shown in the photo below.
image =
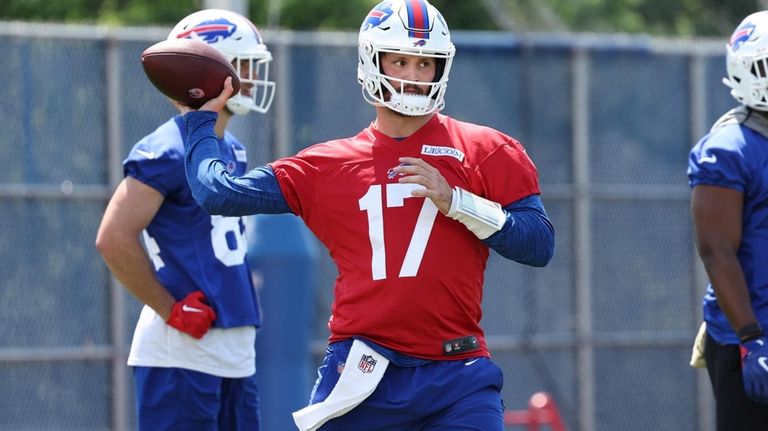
(418, 19)
(211, 31)
(420, 42)
(376, 16)
(741, 35)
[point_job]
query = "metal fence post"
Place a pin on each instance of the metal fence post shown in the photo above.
(283, 258)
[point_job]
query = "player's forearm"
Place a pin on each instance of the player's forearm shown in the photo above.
(130, 265)
(729, 284)
(527, 236)
(217, 191)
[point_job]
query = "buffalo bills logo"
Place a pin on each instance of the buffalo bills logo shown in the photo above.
(377, 16)
(741, 35)
(420, 42)
(391, 174)
(210, 31)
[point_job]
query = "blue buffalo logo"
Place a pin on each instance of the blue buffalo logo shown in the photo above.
(741, 35)
(420, 42)
(378, 15)
(210, 31)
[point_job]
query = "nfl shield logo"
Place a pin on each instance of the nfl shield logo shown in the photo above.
(367, 364)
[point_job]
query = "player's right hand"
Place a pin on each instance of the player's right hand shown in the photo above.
(754, 369)
(192, 315)
(218, 103)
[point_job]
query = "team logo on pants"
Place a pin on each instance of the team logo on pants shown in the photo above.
(367, 364)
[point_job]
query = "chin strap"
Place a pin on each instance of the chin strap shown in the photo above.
(411, 104)
(479, 215)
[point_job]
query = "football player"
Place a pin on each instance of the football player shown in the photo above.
(193, 351)
(727, 172)
(409, 209)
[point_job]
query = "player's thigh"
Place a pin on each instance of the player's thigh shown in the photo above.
(734, 411)
(239, 405)
(480, 411)
(175, 399)
(474, 401)
(330, 370)
(443, 395)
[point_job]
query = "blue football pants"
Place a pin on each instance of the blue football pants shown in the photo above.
(175, 399)
(458, 395)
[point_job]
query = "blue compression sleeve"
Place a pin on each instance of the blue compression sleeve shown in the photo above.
(527, 236)
(215, 189)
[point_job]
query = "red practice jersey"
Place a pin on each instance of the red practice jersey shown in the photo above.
(410, 277)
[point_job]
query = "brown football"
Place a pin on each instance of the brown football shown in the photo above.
(187, 70)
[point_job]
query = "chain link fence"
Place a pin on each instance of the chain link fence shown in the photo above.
(606, 327)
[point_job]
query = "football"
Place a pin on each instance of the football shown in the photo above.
(188, 71)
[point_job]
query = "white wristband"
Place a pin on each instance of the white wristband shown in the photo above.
(479, 215)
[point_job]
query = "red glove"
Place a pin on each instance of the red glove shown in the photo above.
(192, 315)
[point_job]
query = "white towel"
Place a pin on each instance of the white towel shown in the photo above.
(363, 371)
(697, 352)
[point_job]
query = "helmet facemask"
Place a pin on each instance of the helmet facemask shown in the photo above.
(256, 90)
(384, 90)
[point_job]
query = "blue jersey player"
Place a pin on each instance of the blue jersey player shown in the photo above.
(728, 171)
(193, 350)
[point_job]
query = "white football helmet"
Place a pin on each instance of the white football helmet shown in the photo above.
(747, 62)
(412, 27)
(239, 40)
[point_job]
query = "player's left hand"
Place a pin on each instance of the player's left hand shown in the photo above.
(192, 315)
(436, 188)
(754, 369)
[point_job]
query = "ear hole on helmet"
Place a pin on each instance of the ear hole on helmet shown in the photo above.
(759, 68)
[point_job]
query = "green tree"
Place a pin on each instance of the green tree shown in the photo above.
(347, 15)
(657, 17)
(660, 17)
(118, 12)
